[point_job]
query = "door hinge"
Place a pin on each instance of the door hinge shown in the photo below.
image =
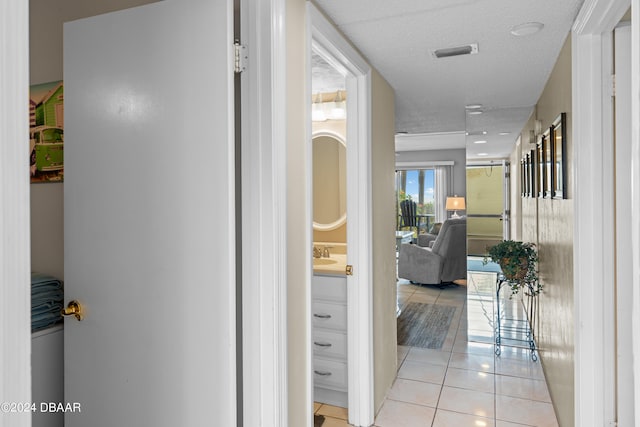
(240, 59)
(612, 85)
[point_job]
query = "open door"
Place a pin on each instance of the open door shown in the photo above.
(149, 217)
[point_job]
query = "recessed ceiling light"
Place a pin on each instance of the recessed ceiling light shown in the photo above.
(483, 154)
(473, 106)
(480, 142)
(480, 132)
(526, 29)
(475, 112)
(504, 133)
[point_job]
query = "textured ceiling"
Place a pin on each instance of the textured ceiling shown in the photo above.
(506, 76)
(324, 77)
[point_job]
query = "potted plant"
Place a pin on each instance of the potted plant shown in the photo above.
(518, 261)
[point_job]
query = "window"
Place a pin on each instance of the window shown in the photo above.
(417, 185)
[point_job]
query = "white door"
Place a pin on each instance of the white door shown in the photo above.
(149, 216)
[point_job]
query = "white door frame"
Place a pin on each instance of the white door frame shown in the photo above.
(264, 225)
(593, 189)
(15, 245)
(624, 259)
(327, 40)
(506, 211)
(635, 195)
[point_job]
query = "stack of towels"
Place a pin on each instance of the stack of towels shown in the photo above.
(47, 299)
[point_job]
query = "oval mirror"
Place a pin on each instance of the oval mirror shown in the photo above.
(329, 181)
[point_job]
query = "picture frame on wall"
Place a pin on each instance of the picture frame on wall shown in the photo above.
(523, 187)
(532, 173)
(525, 180)
(523, 164)
(558, 132)
(540, 168)
(547, 163)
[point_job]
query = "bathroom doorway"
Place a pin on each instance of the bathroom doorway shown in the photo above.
(332, 53)
(329, 200)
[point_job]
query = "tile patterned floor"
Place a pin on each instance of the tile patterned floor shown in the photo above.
(464, 383)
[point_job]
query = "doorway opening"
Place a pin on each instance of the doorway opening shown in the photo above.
(328, 284)
(356, 296)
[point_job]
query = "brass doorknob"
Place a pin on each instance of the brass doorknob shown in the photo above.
(349, 270)
(74, 308)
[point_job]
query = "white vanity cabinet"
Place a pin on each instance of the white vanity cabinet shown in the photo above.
(329, 339)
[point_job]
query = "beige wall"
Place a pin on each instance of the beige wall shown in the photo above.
(339, 235)
(549, 223)
(383, 236)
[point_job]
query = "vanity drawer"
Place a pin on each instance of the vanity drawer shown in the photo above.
(330, 344)
(330, 288)
(327, 315)
(329, 373)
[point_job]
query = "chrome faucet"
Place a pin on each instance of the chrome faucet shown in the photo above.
(317, 253)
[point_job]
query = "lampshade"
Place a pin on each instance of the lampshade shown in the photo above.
(454, 204)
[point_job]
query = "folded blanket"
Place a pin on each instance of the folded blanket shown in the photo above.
(47, 299)
(38, 298)
(39, 279)
(45, 320)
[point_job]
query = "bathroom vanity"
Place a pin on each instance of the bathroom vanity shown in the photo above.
(329, 283)
(329, 338)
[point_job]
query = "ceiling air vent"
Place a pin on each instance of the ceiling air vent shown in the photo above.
(468, 49)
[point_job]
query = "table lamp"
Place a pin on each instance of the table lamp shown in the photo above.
(454, 204)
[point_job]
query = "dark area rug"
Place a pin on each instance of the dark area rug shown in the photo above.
(318, 420)
(424, 325)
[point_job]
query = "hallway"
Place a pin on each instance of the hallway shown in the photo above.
(463, 383)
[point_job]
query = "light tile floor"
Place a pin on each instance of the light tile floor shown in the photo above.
(464, 383)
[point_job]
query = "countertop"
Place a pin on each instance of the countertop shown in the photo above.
(334, 265)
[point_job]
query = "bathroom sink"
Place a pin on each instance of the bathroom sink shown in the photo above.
(324, 261)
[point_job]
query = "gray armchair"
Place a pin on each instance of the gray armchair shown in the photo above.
(445, 261)
(427, 239)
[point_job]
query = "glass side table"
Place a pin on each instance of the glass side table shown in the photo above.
(403, 237)
(515, 317)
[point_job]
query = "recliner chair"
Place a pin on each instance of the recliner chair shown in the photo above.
(443, 262)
